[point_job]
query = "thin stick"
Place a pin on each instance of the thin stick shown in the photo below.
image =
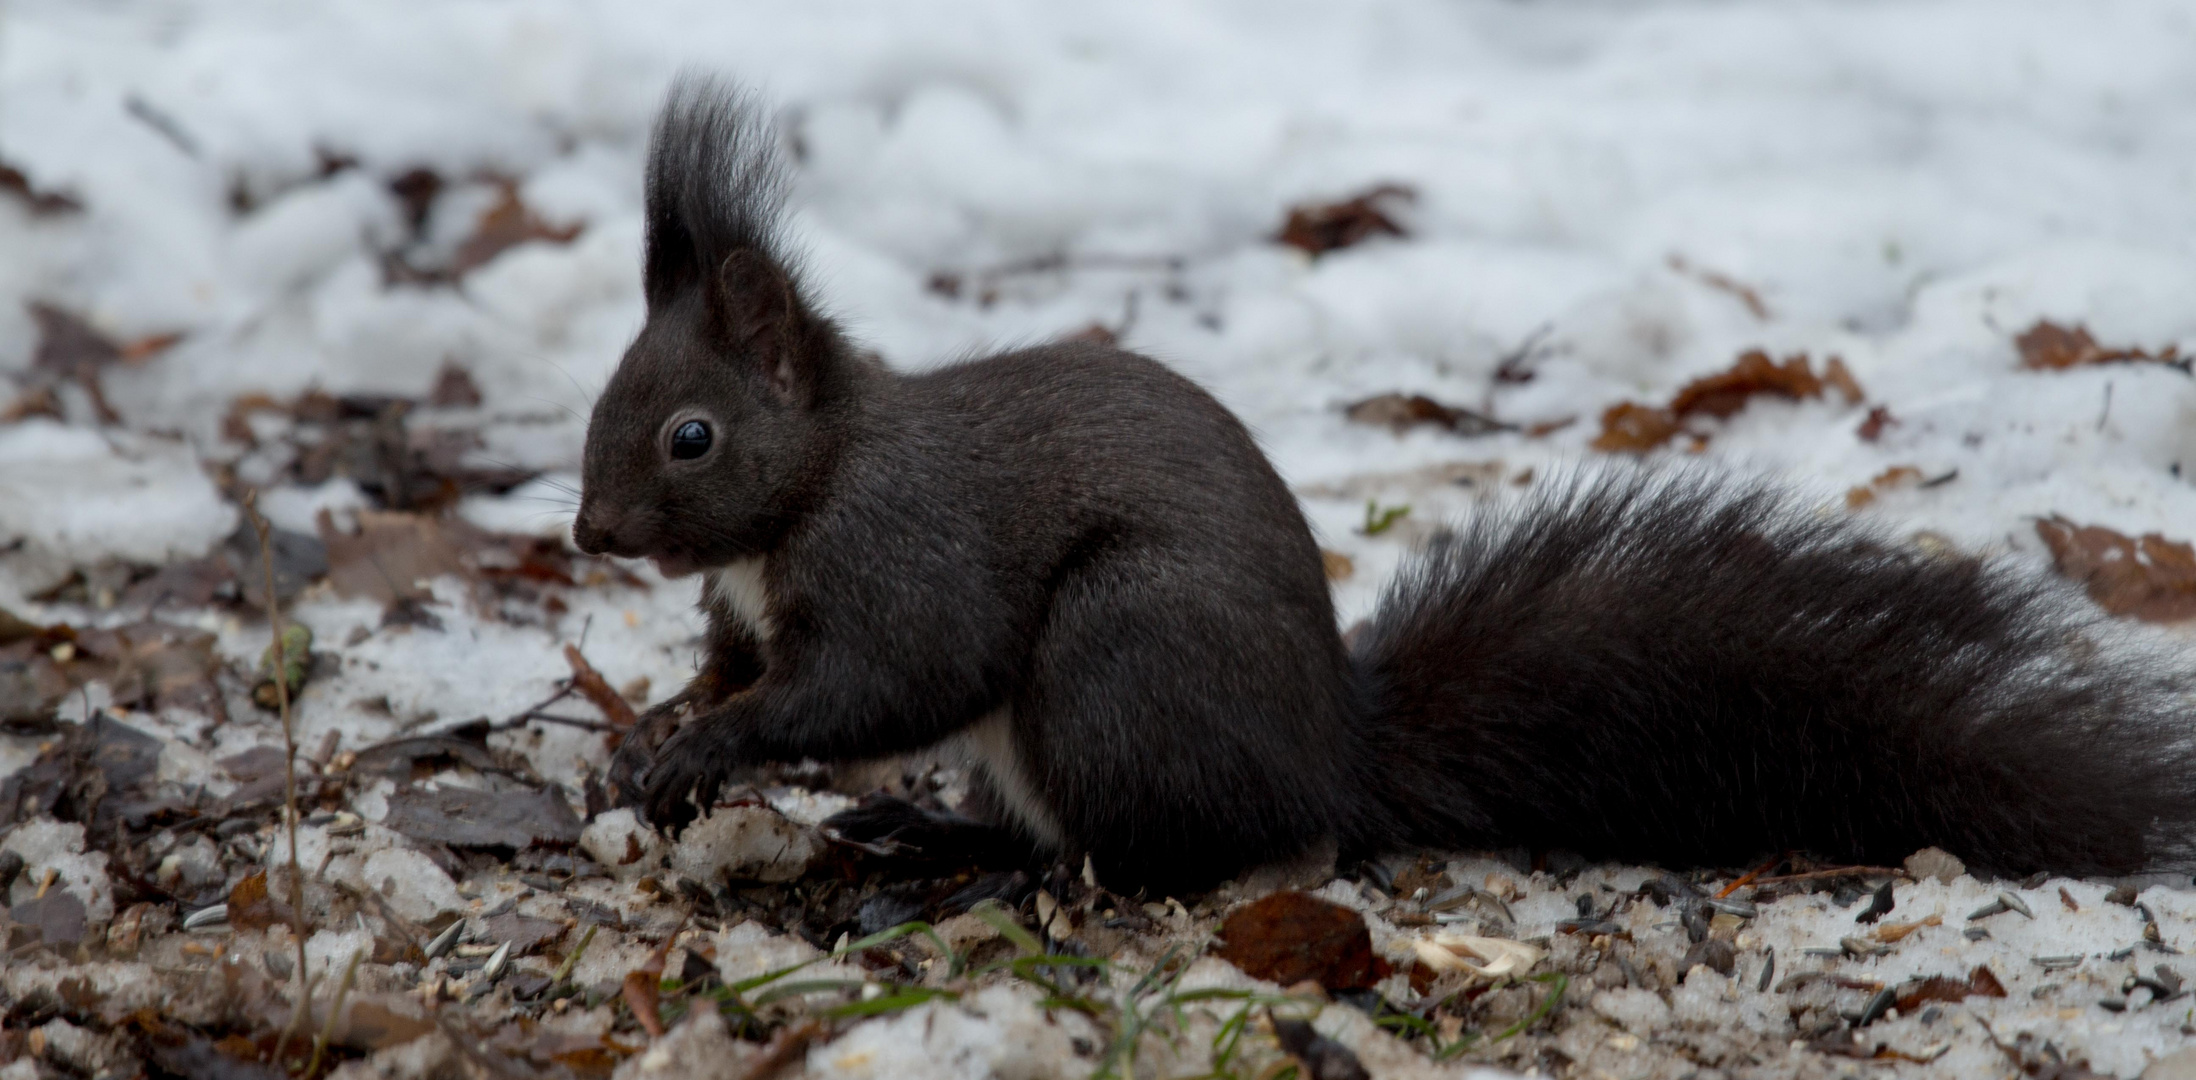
(1835, 871)
(335, 1009)
(289, 765)
(1750, 875)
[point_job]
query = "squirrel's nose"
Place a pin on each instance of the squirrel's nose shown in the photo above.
(590, 532)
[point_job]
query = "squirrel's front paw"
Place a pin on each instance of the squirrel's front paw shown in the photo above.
(683, 777)
(635, 760)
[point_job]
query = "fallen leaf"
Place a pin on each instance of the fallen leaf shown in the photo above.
(2048, 346)
(1896, 476)
(507, 224)
(1401, 412)
(525, 933)
(1633, 428)
(1871, 428)
(251, 908)
(1291, 936)
(392, 554)
(1318, 228)
(69, 350)
(1979, 983)
(372, 439)
(1338, 566)
(454, 389)
(642, 986)
(41, 203)
(58, 916)
(468, 817)
(2149, 578)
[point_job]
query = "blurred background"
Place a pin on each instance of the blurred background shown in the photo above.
(1509, 218)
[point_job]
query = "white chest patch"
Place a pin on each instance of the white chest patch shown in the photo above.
(989, 745)
(739, 587)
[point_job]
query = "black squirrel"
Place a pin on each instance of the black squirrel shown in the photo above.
(1077, 565)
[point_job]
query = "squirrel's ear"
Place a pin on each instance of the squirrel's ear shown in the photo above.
(760, 314)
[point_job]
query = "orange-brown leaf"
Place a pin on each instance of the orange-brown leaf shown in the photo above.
(1318, 228)
(250, 908)
(1894, 477)
(2148, 577)
(643, 985)
(1723, 394)
(1288, 937)
(2048, 346)
(506, 225)
(1634, 428)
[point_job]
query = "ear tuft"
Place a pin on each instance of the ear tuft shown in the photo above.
(715, 184)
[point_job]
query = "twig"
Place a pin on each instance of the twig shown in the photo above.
(335, 1009)
(289, 765)
(596, 689)
(1835, 871)
(1750, 875)
(564, 970)
(525, 718)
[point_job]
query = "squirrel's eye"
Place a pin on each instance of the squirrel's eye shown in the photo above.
(690, 441)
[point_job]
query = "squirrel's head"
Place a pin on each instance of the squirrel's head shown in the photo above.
(710, 433)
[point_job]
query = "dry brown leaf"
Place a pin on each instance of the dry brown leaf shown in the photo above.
(41, 203)
(1897, 476)
(1979, 983)
(1318, 228)
(392, 554)
(250, 908)
(1871, 429)
(2048, 346)
(71, 349)
(507, 224)
(2149, 578)
(1401, 412)
(454, 389)
(1339, 567)
(1290, 936)
(1633, 428)
(642, 989)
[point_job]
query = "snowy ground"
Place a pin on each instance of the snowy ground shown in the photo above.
(1616, 198)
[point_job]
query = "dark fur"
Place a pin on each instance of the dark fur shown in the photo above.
(1654, 670)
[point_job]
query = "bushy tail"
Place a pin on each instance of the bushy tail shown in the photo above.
(1678, 670)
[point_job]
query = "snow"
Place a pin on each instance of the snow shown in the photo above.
(1904, 186)
(76, 497)
(56, 848)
